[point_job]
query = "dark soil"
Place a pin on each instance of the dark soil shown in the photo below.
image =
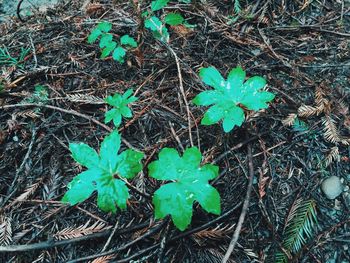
(300, 47)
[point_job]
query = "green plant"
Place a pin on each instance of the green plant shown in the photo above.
(301, 221)
(158, 27)
(7, 60)
(300, 224)
(106, 174)
(230, 95)
(190, 183)
(108, 45)
(237, 6)
(120, 107)
(299, 125)
(39, 96)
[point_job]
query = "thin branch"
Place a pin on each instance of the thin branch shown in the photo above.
(71, 112)
(125, 246)
(182, 90)
(244, 208)
(52, 243)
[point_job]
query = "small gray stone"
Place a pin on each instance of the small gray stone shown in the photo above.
(332, 187)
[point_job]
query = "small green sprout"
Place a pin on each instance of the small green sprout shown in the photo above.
(108, 45)
(106, 174)
(39, 96)
(157, 27)
(189, 184)
(121, 108)
(230, 95)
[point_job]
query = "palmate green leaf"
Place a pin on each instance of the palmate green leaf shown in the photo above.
(191, 184)
(158, 4)
(128, 41)
(103, 170)
(228, 96)
(120, 107)
(174, 19)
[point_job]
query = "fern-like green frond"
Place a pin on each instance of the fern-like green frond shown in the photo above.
(280, 257)
(276, 255)
(300, 224)
(237, 6)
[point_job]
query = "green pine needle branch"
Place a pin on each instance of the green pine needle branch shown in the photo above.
(299, 227)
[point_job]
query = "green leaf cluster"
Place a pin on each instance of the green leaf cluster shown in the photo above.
(158, 27)
(189, 184)
(108, 45)
(120, 107)
(106, 174)
(229, 96)
(39, 96)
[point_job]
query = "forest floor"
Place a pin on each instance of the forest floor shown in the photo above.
(54, 95)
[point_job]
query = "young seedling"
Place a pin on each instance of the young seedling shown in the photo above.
(106, 174)
(39, 96)
(157, 27)
(121, 108)
(108, 45)
(190, 183)
(230, 95)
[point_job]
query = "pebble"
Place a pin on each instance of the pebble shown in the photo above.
(332, 187)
